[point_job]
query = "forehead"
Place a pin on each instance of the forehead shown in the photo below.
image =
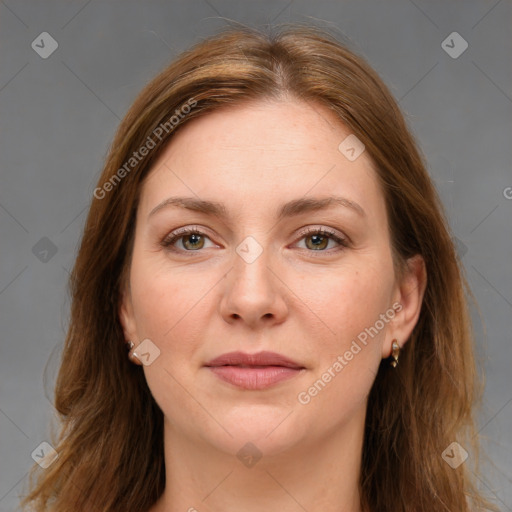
(261, 151)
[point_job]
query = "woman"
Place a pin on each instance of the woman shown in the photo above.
(267, 244)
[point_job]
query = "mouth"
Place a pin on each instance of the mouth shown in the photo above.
(254, 371)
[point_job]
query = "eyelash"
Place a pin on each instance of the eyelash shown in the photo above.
(183, 232)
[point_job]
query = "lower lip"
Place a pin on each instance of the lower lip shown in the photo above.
(254, 378)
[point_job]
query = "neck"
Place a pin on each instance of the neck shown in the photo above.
(321, 474)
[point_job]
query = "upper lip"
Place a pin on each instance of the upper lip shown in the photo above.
(259, 359)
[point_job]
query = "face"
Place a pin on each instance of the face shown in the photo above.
(267, 270)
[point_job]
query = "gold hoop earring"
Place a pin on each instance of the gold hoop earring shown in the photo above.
(395, 353)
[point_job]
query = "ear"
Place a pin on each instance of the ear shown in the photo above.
(126, 316)
(409, 296)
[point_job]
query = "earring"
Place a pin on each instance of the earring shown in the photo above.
(395, 353)
(131, 355)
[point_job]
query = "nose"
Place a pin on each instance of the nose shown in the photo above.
(254, 293)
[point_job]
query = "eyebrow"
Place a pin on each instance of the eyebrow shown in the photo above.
(290, 209)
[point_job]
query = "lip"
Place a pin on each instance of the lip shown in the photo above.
(254, 371)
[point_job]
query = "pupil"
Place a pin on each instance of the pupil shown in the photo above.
(192, 240)
(318, 241)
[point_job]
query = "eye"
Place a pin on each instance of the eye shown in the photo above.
(193, 239)
(317, 239)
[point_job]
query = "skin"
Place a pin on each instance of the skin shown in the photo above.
(305, 303)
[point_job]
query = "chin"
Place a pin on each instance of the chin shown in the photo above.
(271, 429)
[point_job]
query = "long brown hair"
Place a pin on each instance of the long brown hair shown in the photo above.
(110, 445)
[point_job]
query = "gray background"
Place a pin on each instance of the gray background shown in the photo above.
(58, 118)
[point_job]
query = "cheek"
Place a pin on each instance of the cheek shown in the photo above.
(348, 301)
(154, 311)
(347, 359)
(170, 309)
(349, 355)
